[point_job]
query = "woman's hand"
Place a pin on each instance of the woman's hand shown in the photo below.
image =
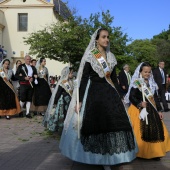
(160, 115)
(76, 108)
(143, 104)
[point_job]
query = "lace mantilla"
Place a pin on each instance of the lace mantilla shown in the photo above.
(111, 60)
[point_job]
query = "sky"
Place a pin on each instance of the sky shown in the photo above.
(140, 19)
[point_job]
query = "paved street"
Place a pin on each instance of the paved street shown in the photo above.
(26, 145)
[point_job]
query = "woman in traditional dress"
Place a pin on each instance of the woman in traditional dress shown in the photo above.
(16, 82)
(59, 102)
(9, 104)
(152, 138)
(105, 137)
(42, 91)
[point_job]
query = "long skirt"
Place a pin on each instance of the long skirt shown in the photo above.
(9, 103)
(151, 149)
(41, 97)
(56, 120)
(106, 136)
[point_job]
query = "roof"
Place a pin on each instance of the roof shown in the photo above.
(62, 9)
(59, 7)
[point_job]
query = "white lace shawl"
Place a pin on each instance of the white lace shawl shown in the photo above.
(136, 75)
(10, 72)
(87, 57)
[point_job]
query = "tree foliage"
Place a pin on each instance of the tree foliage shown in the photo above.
(143, 50)
(162, 42)
(165, 35)
(122, 60)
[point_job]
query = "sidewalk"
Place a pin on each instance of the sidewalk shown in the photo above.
(25, 145)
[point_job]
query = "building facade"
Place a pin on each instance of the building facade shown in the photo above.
(19, 18)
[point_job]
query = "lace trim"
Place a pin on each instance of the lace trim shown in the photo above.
(109, 143)
(111, 60)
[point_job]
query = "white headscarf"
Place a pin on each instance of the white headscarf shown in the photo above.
(87, 57)
(64, 76)
(10, 72)
(136, 75)
(1, 64)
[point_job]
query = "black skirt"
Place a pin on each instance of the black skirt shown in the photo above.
(154, 131)
(42, 93)
(105, 127)
(7, 96)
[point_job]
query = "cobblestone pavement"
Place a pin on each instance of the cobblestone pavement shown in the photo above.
(26, 145)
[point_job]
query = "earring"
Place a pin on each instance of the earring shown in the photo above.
(97, 45)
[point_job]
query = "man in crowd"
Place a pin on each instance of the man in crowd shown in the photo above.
(160, 78)
(33, 62)
(124, 80)
(26, 74)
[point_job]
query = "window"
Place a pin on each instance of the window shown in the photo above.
(22, 22)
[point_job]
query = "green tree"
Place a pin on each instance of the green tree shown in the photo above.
(143, 50)
(162, 42)
(122, 60)
(62, 42)
(163, 51)
(163, 35)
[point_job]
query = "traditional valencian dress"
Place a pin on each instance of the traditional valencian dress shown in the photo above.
(9, 103)
(106, 136)
(153, 139)
(42, 91)
(60, 100)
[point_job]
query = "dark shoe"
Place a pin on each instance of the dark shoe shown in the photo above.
(0, 117)
(167, 110)
(35, 113)
(21, 114)
(8, 117)
(42, 114)
(29, 116)
(156, 159)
